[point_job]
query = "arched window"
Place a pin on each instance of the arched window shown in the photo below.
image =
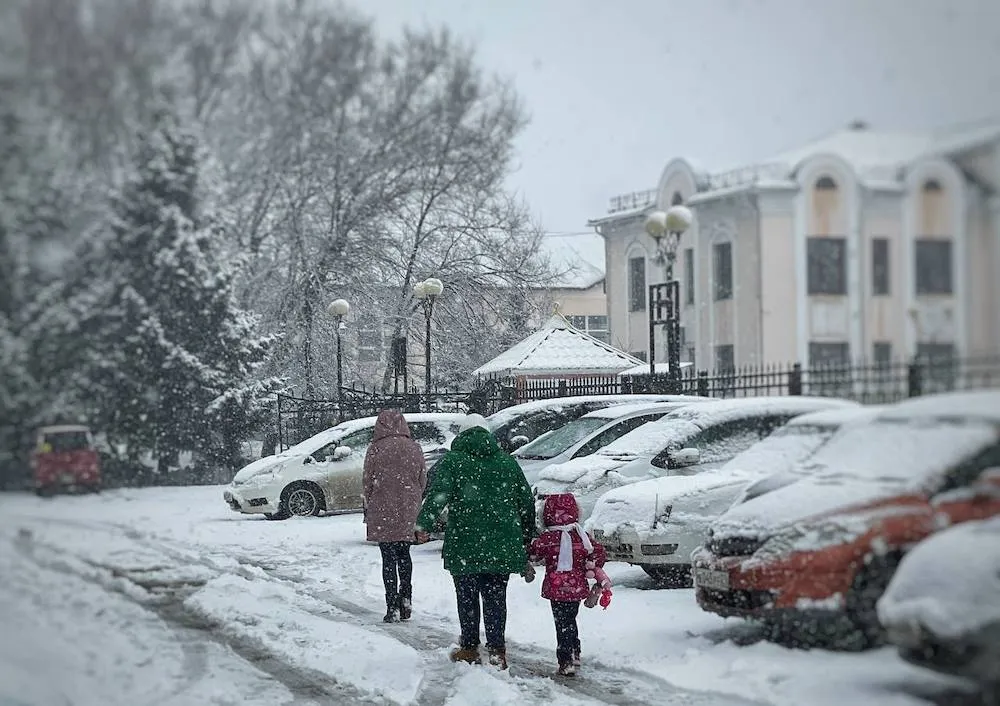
(932, 186)
(636, 282)
(826, 184)
(677, 199)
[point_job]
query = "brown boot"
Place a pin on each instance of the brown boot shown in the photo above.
(466, 654)
(498, 658)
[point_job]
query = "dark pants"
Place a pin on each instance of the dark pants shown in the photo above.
(492, 589)
(567, 633)
(397, 572)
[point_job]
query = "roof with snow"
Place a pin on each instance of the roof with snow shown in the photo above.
(576, 258)
(640, 370)
(558, 349)
(878, 157)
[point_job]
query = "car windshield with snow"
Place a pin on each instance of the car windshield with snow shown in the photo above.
(591, 432)
(828, 544)
(685, 441)
(516, 426)
(657, 523)
(324, 473)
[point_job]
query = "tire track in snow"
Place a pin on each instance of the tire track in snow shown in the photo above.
(306, 686)
(612, 685)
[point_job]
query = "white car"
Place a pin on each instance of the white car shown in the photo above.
(686, 441)
(942, 608)
(324, 472)
(658, 523)
(515, 426)
(583, 436)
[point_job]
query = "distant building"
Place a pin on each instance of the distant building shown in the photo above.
(578, 288)
(862, 244)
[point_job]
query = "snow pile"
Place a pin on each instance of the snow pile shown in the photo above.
(297, 627)
(949, 584)
(887, 458)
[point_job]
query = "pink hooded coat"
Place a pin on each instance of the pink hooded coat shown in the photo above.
(394, 478)
(572, 585)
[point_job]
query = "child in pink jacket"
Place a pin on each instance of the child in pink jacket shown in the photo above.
(569, 554)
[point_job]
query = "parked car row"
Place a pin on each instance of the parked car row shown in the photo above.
(788, 510)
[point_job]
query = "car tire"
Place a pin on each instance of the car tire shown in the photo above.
(673, 576)
(867, 588)
(301, 500)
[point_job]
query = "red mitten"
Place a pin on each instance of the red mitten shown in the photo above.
(605, 598)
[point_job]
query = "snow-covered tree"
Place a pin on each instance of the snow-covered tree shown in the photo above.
(168, 342)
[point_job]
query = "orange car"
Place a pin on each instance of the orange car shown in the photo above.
(828, 544)
(65, 458)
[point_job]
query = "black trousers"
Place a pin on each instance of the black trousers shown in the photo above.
(567, 633)
(397, 572)
(492, 590)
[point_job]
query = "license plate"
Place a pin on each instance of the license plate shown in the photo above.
(714, 580)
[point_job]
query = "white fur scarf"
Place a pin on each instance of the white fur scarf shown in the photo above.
(566, 544)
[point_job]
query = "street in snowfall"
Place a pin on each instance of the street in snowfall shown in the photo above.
(163, 596)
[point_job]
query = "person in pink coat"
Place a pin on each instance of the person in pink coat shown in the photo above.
(394, 478)
(568, 553)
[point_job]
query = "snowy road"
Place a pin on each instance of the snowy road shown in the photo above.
(163, 596)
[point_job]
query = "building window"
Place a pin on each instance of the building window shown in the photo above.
(641, 355)
(825, 184)
(690, 356)
(932, 186)
(880, 266)
(636, 284)
(725, 358)
(595, 325)
(933, 266)
(676, 199)
(722, 266)
(940, 367)
(829, 354)
(882, 354)
(689, 276)
(369, 343)
(827, 265)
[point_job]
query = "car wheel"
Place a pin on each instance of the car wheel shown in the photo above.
(868, 587)
(673, 576)
(302, 500)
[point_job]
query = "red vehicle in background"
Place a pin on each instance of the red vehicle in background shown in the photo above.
(65, 459)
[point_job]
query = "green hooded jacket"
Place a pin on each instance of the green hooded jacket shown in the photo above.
(491, 513)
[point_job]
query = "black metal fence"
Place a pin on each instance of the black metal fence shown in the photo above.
(870, 383)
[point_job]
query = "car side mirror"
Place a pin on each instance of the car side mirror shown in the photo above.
(519, 441)
(341, 452)
(682, 458)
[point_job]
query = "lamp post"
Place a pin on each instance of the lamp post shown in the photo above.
(338, 309)
(666, 228)
(426, 293)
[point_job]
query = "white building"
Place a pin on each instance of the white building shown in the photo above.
(861, 245)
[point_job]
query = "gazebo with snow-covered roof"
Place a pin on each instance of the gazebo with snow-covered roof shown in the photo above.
(556, 351)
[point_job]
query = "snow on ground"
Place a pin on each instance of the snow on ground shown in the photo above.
(165, 596)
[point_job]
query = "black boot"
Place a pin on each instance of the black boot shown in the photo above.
(405, 606)
(391, 609)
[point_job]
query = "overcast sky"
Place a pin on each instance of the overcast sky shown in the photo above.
(616, 89)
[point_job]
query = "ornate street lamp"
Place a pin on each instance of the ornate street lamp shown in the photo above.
(338, 309)
(426, 293)
(666, 228)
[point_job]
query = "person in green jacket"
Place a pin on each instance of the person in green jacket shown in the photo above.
(491, 520)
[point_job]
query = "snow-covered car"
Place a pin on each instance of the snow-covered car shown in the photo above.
(688, 440)
(824, 548)
(585, 435)
(658, 523)
(942, 608)
(323, 473)
(515, 426)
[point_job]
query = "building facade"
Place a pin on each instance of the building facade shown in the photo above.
(864, 245)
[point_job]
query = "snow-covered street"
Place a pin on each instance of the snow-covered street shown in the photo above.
(164, 596)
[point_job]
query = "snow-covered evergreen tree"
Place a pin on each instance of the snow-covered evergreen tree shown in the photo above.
(172, 351)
